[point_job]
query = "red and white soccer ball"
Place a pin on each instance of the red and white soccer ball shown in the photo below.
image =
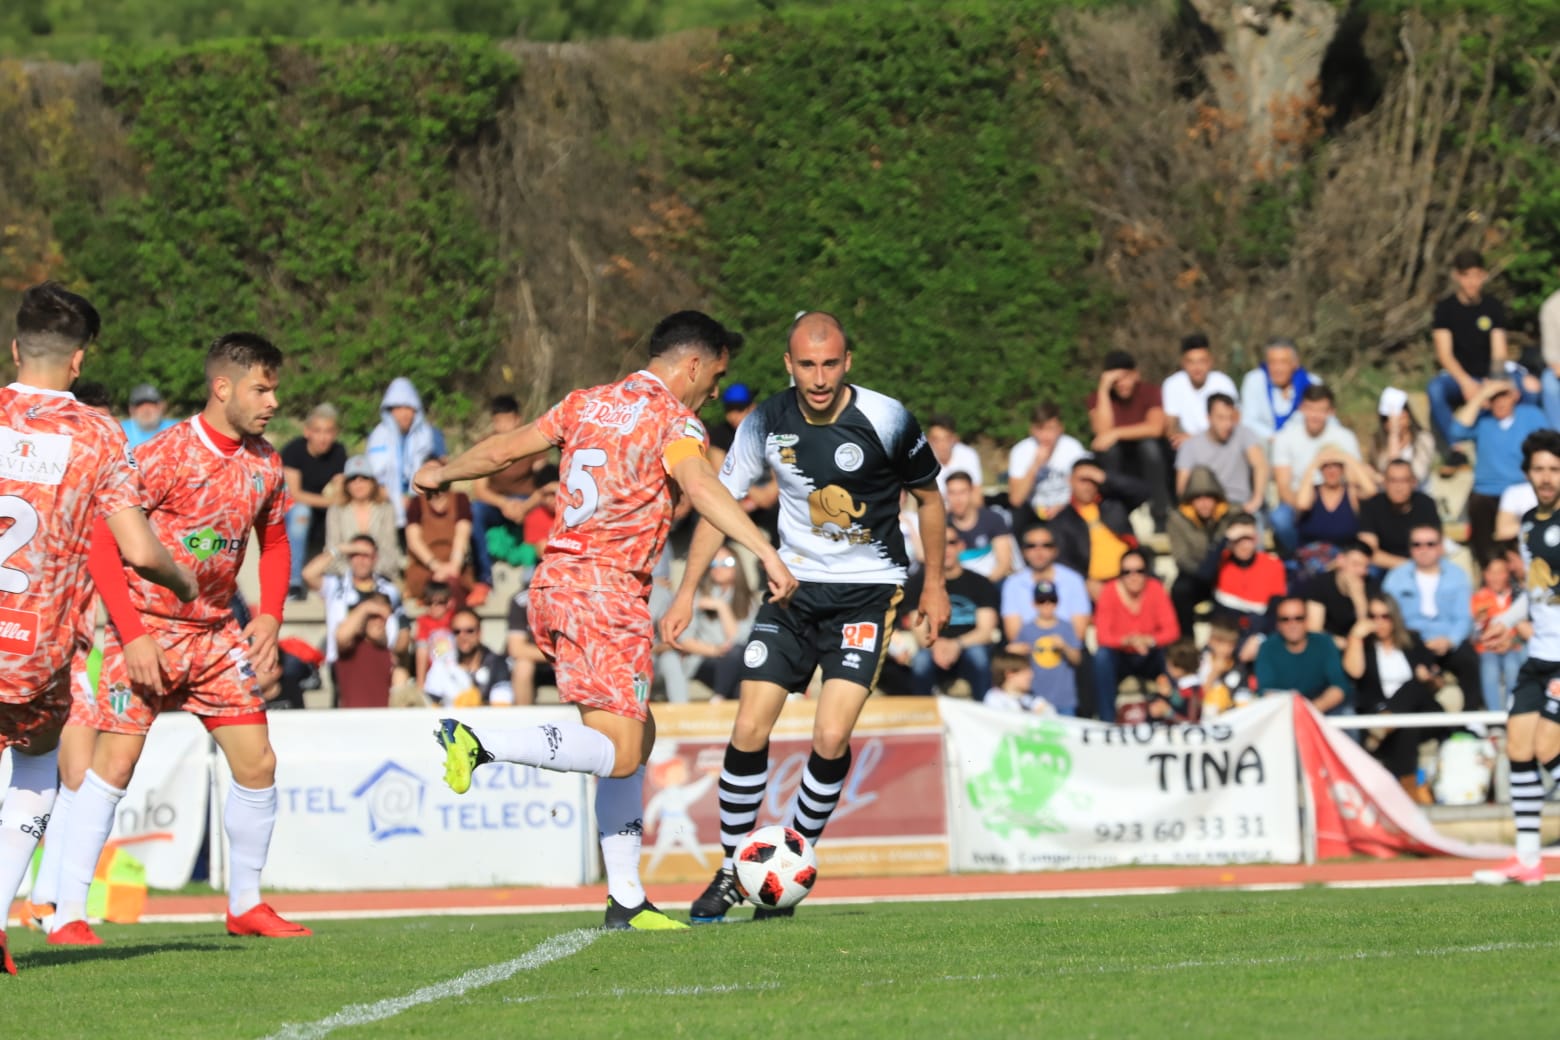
(776, 867)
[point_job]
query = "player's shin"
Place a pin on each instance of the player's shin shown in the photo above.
(1527, 807)
(91, 820)
(46, 887)
(818, 794)
(620, 822)
(743, 777)
(249, 819)
(23, 816)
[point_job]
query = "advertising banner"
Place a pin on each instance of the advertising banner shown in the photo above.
(1359, 807)
(1037, 793)
(362, 804)
(892, 816)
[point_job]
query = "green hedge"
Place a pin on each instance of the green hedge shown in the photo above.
(305, 191)
(891, 169)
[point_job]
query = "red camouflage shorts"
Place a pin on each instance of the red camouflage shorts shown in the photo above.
(25, 716)
(83, 696)
(207, 673)
(599, 642)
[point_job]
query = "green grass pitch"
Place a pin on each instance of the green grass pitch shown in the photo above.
(1420, 962)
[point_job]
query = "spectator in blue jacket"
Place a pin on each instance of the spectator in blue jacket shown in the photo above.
(1436, 600)
(1496, 420)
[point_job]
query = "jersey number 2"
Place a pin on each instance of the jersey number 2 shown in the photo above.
(24, 524)
(582, 485)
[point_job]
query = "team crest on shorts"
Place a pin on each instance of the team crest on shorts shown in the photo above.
(755, 654)
(1553, 690)
(641, 687)
(119, 698)
(241, 662)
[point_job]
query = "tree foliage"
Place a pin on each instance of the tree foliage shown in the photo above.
(304, 191)
(891, 169)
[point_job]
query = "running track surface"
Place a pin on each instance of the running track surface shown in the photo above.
(1124, 881)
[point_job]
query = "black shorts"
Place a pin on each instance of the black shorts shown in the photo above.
(842, 628)
(1538, 689)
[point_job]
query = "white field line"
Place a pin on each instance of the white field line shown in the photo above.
(556, 948)
(934, 897)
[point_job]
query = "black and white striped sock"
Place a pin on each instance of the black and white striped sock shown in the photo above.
(818, 794)
(1527, 808)
(743, 779)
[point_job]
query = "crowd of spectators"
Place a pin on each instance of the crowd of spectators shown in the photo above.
(1294, 553)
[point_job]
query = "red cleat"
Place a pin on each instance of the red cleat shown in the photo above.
(7, 965)
(266, 923)
(76, 933)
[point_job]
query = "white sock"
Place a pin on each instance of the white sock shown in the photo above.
(91, 819)
(566, 747)
(249, 820)
(620, 822)
(24, 815)
(46, 888)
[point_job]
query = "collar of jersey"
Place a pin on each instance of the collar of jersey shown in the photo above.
(831, 422)
(23, 388)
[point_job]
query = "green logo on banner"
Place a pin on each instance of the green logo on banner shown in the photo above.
(1027, 772)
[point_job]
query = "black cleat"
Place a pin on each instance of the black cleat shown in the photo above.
(720, 896)
(765, 913)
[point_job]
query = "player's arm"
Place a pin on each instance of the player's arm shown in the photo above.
(714, 503)
(483, 459)
(144, 661)
(933, 521)
(143, 553)
(275, 573)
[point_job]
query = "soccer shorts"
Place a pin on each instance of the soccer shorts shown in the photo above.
(1538, 689)
(599, 641)
(842, 628)
(24, 716)
(207, 673)
(83, 691)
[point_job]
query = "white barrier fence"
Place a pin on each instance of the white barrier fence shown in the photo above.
(362, 802)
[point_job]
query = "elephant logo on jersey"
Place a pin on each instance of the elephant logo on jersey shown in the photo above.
(834, 515)
(1541, 582)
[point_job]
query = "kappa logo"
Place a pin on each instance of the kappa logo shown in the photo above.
(859, 635)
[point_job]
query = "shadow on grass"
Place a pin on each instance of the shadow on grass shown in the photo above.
(56, 956)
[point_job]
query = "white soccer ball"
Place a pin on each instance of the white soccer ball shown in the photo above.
(775, 867)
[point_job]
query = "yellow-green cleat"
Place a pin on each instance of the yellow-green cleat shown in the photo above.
(463, 752)
(642, 918)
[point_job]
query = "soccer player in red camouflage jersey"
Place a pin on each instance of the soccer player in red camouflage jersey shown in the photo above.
(209, 481)
(62, 466)
(623, 445)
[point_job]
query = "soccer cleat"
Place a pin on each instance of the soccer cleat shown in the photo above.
(765, 913)
(1513, 871)
(261, 921)
(7, 965)
(720, 896)
(74, 933)
(463, 752)
(642, 918)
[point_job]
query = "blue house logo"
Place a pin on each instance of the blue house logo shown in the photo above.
(394, 797)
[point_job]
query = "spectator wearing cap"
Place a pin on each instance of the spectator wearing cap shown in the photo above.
(312, 464)
(1295, 447)
(1497, 420)
(953, 454)
(1468, 329)
(1040, 467)
(1185, 392)
(1054, 650)
(1399, 437)
(364, 509)
(762, 501)
(1093, 530)
(1271, 393)
(963, 649)
(1128, 420)
(502, 500)
(148, 416)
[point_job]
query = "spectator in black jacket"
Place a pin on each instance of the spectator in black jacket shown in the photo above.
(1097, 498)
